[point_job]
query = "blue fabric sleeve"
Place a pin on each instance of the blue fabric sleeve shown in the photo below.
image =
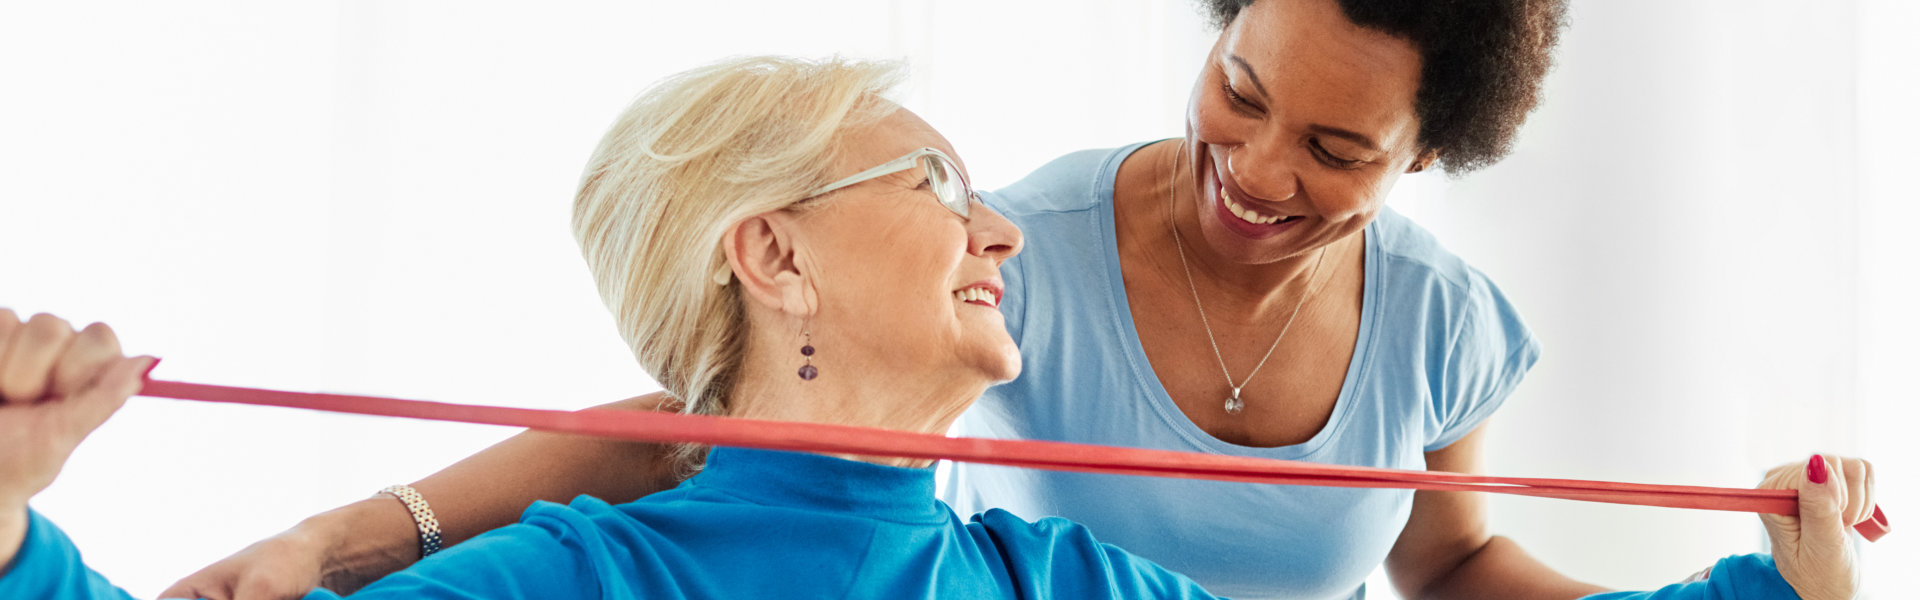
(48, 567)
(1742, 577)
(1057, 558)
(528, 560)
(1488, 356)
(545, 552)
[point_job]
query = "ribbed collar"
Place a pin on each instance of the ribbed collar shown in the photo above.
(821, 483)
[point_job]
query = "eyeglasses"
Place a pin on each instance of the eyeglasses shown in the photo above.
(943, 175)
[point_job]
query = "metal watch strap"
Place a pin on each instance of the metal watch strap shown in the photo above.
(422, 517)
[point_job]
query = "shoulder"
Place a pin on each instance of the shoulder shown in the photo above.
(1056, 557)
(1074, 182)
(1472, 344)
(1047, 540)
(1413, 251)
(585, 518)
(1417, 271)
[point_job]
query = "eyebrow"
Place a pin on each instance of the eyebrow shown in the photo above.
(1348, 135)
(1249, 71)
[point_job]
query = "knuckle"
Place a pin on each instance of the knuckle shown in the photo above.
(47, 323)
(98, 330)
(96, 341)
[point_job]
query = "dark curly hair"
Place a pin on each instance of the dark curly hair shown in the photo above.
(1483, 61)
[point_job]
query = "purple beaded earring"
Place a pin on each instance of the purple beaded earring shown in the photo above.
(807, 372)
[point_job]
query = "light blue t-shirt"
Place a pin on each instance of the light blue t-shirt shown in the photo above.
(1439, 349)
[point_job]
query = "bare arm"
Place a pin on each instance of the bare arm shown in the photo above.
(1446, 552)
(490, 489)
(346, 548)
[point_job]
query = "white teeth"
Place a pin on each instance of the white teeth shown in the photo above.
(1244, 214)
(977, 295)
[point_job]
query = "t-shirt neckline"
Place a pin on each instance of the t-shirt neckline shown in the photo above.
(1157, 396)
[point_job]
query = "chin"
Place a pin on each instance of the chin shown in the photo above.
(1240, 250)
(1000, 365)
(1008, 370)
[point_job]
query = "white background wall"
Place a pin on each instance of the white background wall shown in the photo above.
(1706, 223)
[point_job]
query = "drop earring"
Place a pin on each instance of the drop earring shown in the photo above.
(807, 372)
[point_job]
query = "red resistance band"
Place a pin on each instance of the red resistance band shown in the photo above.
(1058, 456)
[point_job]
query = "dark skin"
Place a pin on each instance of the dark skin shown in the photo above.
(1316, 115)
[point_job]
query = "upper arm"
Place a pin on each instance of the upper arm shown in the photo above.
(658, 473)
(490, 489)
(1445, 528)
(47, 565)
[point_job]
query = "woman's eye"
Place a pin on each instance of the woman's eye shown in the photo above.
(1233, 96)
(1333, 160)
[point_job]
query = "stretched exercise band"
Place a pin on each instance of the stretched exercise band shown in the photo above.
(1059, 456)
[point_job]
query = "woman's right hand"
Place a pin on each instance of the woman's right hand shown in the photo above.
(1813, 550)
(285, 566)
(342, 550)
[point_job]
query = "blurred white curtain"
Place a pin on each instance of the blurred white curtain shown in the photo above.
(1702, 223)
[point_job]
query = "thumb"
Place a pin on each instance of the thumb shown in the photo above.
(1823, 494)
(86, 410)
(180, 592)
(186, 588)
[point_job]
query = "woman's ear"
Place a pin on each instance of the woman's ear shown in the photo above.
(762, 252)
(1425, 161)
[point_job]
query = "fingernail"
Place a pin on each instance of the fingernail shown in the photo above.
(148, 374)
(1817, 469)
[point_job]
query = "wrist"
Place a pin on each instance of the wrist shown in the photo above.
(360, 542)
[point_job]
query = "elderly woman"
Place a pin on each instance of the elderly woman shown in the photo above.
(740, 221)
(1242, 290)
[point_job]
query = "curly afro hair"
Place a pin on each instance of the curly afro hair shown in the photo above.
(1483, 62)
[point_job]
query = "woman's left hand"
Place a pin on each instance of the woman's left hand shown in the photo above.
(1813, 550)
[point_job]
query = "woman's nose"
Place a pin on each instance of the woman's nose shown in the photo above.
(1264, 171)
(991, 235)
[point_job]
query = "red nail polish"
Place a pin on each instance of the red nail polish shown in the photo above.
(148, 374)
(1817, 469)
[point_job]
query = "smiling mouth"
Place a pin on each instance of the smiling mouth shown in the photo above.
(1249, 215)
(980, 295)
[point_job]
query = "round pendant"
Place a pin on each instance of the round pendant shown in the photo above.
(1234, 404)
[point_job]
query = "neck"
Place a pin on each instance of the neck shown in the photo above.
(850, 393)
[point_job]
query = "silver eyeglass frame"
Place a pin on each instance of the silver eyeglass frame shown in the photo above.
(903, 163)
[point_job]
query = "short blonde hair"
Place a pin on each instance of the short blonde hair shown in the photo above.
(694, 155)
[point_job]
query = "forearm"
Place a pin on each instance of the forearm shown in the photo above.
(1502, 569)
(371, 538)
(492, 488)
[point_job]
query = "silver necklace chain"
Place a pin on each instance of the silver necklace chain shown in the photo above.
(1233, 404)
